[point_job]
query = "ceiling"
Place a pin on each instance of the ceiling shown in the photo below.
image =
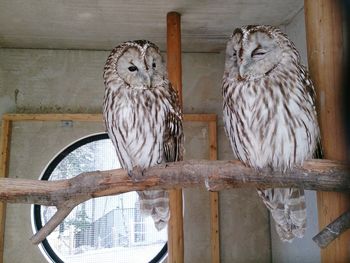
(102, 24)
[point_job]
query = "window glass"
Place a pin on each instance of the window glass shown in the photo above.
(105, 229)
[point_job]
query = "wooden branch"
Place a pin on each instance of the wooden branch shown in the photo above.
(62, 212)
(333, 230)
(322, 175)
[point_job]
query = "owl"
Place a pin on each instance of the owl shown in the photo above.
(269, 115)
(142, 116)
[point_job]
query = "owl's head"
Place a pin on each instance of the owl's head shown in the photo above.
(138, 64)
(255, 51)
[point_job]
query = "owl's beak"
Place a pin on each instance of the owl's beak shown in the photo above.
(146, 80)
(242, 70)
(244, 67)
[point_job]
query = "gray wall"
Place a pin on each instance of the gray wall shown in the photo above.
(71, 81)
(33, 146)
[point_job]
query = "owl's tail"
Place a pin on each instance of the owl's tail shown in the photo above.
(288, 209)
(156, 204)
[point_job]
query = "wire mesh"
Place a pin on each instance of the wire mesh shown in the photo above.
(106, 229)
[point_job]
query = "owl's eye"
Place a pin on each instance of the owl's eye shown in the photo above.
(258, 52)
(154, 65)
(132, 68)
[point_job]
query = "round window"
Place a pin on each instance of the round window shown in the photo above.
(105, 229)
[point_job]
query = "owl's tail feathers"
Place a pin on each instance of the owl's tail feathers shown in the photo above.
(156, 204)
(288, 209)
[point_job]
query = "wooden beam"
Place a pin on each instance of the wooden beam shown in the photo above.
(5, 152)
(214, 200)
(174, 64)
(90, 117)
(54, 117)
(201, 118)
(325, 51)
(214, 175)
(175, 224)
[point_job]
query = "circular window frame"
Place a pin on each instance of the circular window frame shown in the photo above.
(44, 246)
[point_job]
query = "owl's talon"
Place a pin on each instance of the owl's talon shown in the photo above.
(136, 173)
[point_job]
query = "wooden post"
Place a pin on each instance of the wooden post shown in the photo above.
(175, 225)
(174, 51)
(214, 200)
(5, 151)
(325, 50)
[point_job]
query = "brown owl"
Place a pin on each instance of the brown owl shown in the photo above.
(269, 114)
(142, 116)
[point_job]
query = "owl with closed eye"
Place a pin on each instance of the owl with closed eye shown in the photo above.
(269, 115)
(142, 116)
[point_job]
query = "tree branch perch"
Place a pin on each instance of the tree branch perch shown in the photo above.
(333, 230)
(321, 175)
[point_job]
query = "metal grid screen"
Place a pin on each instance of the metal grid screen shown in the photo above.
(106, 229)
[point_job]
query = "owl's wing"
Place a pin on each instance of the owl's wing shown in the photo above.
(173, 135)
(156, 202)
(318, 154)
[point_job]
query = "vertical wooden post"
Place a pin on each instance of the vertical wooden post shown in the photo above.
(5, 151)
(214, 200)
(175, 225)
(174, 51)
(325, 50)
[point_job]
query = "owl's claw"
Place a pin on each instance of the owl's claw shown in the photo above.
(136, 173)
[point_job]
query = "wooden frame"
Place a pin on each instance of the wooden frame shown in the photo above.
(7, 120)
(4, 165)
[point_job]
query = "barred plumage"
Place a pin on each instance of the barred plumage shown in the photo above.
(269, 114)
(142, 116)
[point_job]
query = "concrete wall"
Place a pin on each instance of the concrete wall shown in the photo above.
(71, 81)
(33, 146)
